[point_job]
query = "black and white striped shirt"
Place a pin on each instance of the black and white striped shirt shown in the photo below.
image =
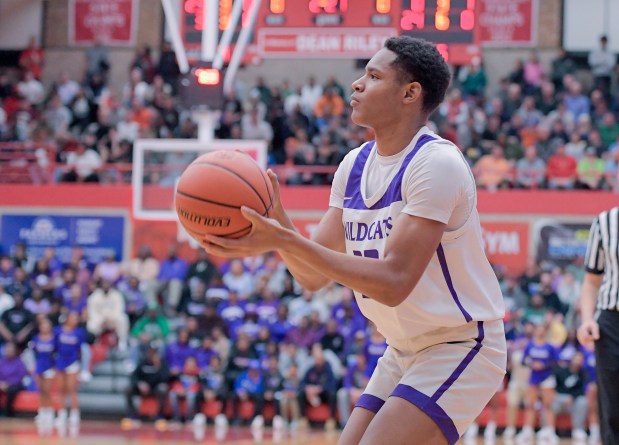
(603, 257)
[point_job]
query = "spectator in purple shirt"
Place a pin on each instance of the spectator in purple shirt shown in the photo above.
(204, 353)
(172, 273)
(54, 264)
(267, 307)
(233, 312)
(281, 326)
(135, 299)
(12, 373)
(7, 270)
(375, 347)
(302, 335)
(77, 302)
(356, 379)
(36, 303)
(178, 351)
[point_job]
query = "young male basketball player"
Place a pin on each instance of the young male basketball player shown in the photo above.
(402, 230)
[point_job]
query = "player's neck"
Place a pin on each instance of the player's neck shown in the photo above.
(391, 141)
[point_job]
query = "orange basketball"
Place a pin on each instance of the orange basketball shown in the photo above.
(212, 190)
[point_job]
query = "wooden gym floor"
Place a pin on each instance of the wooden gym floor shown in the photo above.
(23, 432)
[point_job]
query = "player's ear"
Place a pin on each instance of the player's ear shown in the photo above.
(412, 92)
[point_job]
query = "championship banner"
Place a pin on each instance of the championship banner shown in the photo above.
(113, 22)
(505, 23)
(98, 236)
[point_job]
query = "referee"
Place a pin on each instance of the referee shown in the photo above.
(601, 290)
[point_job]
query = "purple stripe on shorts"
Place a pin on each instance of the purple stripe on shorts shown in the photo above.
(431, 408)
(370, 402)
(441, 258)
(463, 364)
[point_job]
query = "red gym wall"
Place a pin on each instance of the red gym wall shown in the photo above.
(510, 219)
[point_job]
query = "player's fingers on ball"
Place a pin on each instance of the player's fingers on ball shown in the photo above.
(274, 180)
(250, 214)
(217, 241)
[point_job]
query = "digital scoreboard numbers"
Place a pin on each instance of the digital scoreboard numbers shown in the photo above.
(329, 13)
(440, 21)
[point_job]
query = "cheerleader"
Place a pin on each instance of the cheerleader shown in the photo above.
(68, 339)
(43, 346)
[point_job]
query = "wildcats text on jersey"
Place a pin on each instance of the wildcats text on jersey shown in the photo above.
(359, 231)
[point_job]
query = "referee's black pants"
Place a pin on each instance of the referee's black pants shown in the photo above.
(607, 365)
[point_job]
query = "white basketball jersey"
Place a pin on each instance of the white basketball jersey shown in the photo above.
(458, 285)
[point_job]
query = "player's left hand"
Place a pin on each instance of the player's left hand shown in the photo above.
(264, 237)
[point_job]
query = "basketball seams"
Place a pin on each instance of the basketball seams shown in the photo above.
(223, 204)
(266, 185)
(226, 169)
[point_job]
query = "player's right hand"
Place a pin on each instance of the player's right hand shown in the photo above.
(588, 332)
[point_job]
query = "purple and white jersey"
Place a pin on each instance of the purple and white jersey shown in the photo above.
(545, 355)
(429, 179)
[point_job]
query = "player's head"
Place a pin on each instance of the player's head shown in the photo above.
(407, 75)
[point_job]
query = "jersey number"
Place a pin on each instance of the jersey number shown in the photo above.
(369, 253)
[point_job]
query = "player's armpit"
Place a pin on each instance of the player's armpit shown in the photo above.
(330, 234)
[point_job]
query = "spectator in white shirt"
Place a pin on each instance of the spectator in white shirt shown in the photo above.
(31, 89)
(6, 301)
(128, 129)
(67, 88)
(253, 127)
(106, 310)
(238, 280)
(57, 116)
(310, 94)
(2, 119)
(82, 165)
(602, 62)
(136, 88)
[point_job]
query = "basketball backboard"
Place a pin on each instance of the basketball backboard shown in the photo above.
(158, 163)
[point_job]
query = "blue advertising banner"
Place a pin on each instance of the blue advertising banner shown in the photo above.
(98, 236)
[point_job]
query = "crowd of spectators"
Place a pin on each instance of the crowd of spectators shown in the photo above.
(540, 127)
(244, 330)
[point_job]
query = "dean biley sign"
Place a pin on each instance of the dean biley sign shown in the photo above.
(98, 235)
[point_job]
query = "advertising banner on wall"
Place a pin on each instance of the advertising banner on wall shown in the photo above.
(560, 243)
(98, 236)
(506, 244)
(113, 22)
(507, 22)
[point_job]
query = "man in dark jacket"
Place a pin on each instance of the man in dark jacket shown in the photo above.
(318, 386)
(571, 394)
(150, 378)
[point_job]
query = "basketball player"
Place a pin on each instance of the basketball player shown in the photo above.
(402, 231)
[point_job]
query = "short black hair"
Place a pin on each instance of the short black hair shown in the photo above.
(419, 61)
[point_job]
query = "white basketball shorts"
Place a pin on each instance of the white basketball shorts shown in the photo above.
(450, 374)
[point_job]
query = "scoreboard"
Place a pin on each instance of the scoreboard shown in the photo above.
(344, 28)
(328, 13)
(440, 21)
